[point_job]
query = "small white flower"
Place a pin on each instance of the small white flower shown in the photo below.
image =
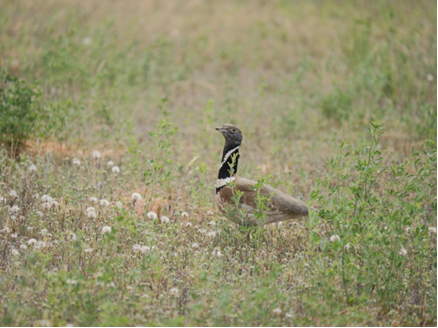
(46, 199)
(39, 213)
(188, 224)
(289, 315)
(109, 164)
(195, 245)
(347, 247)
(76, 162)
(211, 234)
(216, 253)
(104, 202)
(165, 220)
(46, 206)
(55, 203)
(202, 231)
(23, 247)
(136, 247)
(90, 209)
(72, 237)
(145, 249)
(44, 323)
(40, 244)
(14, 252)
(92, 214)
(407, 229)
(212, 223)
(174, 291)
(144, 296)
(14, 235)
(334, 238)
(87, 41)
(32, 241)
(2, 200)
(210, 213)
(13, 193)
(136, 196)
(430, 77)
(14, 209)
(106, 229)
(88, 250)
(72, 282)
(184, 215)
(96, 154)
(115, 169)
(151, 215)
(44, 232)
(93, 200)
(119, 205)
(32, 168)
(432, 229)
(276, 311)
(403, 251)
(6, 230)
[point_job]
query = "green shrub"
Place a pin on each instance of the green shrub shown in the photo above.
(377, 221)
(20, 109)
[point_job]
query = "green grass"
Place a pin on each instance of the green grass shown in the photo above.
(145, 83)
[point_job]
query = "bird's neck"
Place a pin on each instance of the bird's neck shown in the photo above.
(228, 168)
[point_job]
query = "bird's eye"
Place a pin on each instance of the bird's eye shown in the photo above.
(234, 130)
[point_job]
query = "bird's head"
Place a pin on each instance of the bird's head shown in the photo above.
(231, 133)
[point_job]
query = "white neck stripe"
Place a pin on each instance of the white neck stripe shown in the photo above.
(228, 155)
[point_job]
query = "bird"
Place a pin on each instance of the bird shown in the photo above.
(236, 197)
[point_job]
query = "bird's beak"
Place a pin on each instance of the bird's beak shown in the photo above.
(219, 128)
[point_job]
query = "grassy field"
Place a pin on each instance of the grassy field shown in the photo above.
(337, 103)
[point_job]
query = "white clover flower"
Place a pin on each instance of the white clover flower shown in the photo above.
(106, 229)
(347, 247)
(39, 213)
(88, 250)
(44, 232)
(195, 245)
(96, 154)
(136, 196)
(104, 202)
(23, 247)
(165, 220)
(184, 215)
(87, 41)
(432, 229)
(334, 238)
(72, 237)
(55, 203)
(136, 247)
(32, 168)
(216, 253)
(6, 230)
(188, 224)
(174, 291)
(2, 200)
(151, 215)
(92, 215)
(46, 206)
(115, 169)
(430, 77)
(145, 249)
(211, 234)
(46, 199)
(407, 229)
(72, 282)
(202, 231)
(109, 164)
(403, 251)
(13, 193)
(93, 200)
(76, 162)
(276, 311)
(289, 315)
(14, 209)
(210, 213)
(90, 209)
(14, 252)
(14, 235)
(40, 244)
(119, 205)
